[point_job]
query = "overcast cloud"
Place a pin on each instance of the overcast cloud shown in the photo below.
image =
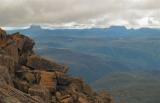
(131, 13)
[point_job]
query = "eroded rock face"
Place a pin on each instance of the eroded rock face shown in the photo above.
(28, 78)
(3, 34)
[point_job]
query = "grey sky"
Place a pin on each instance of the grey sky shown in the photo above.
(131, 13)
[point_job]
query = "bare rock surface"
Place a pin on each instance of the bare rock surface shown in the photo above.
(28, 78)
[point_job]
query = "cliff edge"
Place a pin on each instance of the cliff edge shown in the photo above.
(28, 78)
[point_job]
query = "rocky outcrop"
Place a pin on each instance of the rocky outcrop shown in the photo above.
(28, 78)
(2, 34)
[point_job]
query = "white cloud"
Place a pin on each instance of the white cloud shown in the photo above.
(131, 13)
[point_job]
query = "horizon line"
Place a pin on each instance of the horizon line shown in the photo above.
(74, 27)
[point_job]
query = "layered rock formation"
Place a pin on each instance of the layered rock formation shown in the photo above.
(28, 78)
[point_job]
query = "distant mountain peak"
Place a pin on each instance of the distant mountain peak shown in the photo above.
(118, 27)
(36, 27)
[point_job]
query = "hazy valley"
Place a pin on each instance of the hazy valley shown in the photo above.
(124, 61)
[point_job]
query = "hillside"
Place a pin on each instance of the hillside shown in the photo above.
(26, 77)
(133, 87)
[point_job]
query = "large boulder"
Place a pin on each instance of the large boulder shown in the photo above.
(48, 80)
(5, 77)
(40, 63)
(10, 64)
(21, 85)
(12, 51)
(41, 92)
(64, 98)
(62, 79)
(24, 44)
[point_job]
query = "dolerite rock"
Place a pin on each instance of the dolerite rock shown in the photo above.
(49, 80)
(28, 78)
(39, 63)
